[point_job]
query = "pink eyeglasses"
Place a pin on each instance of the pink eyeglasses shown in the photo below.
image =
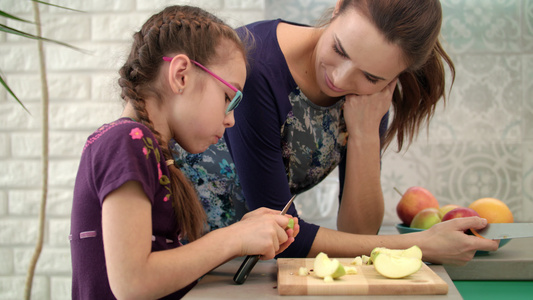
(238, 94)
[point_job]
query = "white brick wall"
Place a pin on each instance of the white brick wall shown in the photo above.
(84, 95)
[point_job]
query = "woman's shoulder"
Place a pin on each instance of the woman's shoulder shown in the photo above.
(260, 27)
(268, 25)
(264, 32)
(265, 57)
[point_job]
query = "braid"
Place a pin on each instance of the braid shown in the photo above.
(176, 29)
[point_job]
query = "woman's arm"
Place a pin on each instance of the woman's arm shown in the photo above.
(362, 207)
(135, 271)
(444, 243)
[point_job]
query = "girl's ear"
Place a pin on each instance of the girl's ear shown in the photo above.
(337, 8)
(178, 72)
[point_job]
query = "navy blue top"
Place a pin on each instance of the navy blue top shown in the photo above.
(283, 144)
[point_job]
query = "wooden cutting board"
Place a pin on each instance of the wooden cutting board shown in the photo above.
(367, 281)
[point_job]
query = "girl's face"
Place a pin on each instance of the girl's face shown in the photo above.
(353, 57)
(202, 114)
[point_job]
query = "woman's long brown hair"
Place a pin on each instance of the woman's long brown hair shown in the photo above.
(175, 30)
(413, 25)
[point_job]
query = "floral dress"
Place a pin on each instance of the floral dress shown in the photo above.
(313, 142)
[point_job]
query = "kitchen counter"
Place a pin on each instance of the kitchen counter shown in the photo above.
(262, 284)
(512, 261)
(503, 274)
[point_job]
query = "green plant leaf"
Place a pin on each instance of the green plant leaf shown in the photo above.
(12, 94)
(10, 30)
(4, 14)
(14, 31)
(55, 5)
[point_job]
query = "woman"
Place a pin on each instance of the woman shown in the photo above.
(319, 97)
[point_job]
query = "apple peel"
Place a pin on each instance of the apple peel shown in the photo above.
(476, 233)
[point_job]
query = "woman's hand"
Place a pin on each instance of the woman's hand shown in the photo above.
(446, 242)
(264, 232)
(363, 113)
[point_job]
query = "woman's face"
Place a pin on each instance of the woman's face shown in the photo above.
(353, 57)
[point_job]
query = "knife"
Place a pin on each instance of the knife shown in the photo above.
(250, 260)
(499, 231)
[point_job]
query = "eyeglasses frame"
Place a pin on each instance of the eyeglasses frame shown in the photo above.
(238, 94)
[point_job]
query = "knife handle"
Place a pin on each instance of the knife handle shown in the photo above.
(245, 269)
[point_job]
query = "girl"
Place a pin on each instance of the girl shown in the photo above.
(318, 98)
(181, 81)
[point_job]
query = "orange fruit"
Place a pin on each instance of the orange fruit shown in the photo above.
(492, 209)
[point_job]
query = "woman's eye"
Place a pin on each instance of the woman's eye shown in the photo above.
(228, 99)
(371, 80)
(338, 51)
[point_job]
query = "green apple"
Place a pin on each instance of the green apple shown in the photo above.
(393, 266)
(426, 218)
(414, 200)
(327, 268)
(446, 208)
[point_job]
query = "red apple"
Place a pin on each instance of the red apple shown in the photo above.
(414, 200)
(426, 218)
(459, 212)
(446, 208)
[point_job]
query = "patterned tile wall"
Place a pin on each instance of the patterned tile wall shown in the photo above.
(480, 144)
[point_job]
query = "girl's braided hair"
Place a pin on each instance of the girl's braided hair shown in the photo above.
(175, 30)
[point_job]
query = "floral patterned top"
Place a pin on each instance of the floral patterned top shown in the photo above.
(117, 152)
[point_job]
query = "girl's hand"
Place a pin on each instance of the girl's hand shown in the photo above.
(363, 113)
(264, 232)
(264, 211)
(291, 233)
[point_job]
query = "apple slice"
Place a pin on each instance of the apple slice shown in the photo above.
(302, 271)
(328, 268)
(413, 251)
(393, 266)
(290, 225)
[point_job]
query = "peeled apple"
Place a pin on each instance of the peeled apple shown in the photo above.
(397, 263)
(392, 266)
(413, 251)
(328, 268)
